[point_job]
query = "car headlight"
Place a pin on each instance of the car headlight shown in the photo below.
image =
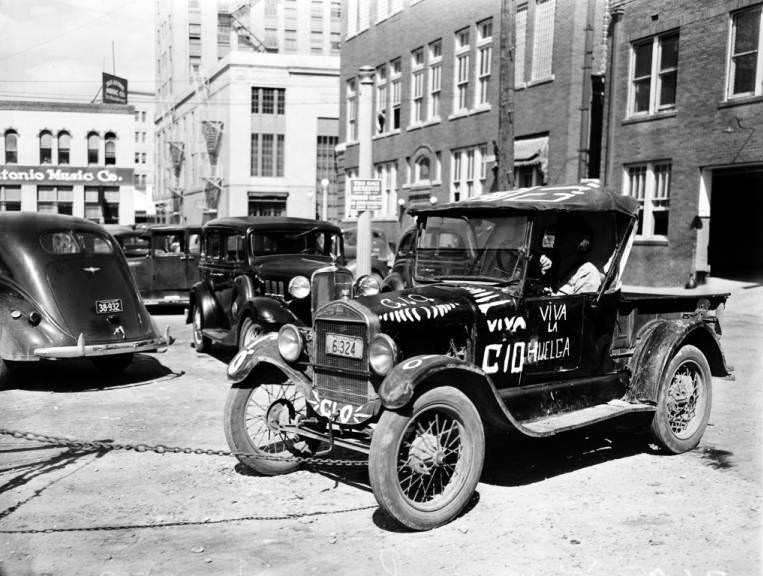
(289, 342)
(382, 354)
(367, 286)
(299, 287)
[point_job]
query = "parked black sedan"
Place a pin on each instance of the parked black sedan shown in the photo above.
(66, 292)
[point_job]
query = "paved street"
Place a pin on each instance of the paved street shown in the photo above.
(597, 502)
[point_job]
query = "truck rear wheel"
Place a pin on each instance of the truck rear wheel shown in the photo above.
(254, 412)
(424, 467)
(683, 403)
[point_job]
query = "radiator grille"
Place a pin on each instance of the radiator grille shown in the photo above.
(329, 284)
(357, 329)
(342, 388)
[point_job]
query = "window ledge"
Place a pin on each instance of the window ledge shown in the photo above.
(480, 108)
(650, 241)
(349, 143)
(740, 100)
(544, 80)
(649, 117)
(384, 135)
(416, 126)
(460, 114)
(432, 121)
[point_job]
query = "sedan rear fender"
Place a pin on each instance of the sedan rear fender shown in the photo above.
(264, 355)
(658, 342)
(20, 331)
(417, 374)
(212, 315)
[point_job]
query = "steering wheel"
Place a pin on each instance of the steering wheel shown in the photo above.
(507, 260)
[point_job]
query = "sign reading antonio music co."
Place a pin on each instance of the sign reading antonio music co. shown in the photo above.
(56, 175)
(114, 89)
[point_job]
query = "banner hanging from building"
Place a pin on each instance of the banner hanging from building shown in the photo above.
(177, 155)
(114, 89)
(213, 131)
(65, 175)
(212, 193)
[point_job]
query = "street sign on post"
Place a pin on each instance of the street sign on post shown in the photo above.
(365, 197)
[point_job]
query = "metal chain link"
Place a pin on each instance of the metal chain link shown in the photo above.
(163, 449)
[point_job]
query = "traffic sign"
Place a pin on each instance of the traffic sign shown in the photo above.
(365, 194)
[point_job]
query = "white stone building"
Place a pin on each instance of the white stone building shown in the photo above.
(68, 158)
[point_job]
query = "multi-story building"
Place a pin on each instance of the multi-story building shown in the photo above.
(145, 106)
(436, 92)
(684, 135)
(248, 114)
(68, 158)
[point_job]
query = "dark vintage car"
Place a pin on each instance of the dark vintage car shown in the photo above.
(259, 273)
(66, 292)
(381, 255)
(164, 261)
(482, 342)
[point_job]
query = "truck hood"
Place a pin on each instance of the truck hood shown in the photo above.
(437, 305)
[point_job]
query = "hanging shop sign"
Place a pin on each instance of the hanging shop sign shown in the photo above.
(54, 175)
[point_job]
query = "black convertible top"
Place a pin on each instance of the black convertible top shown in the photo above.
(585, 197)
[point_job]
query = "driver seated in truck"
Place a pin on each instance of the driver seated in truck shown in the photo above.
(577, 273)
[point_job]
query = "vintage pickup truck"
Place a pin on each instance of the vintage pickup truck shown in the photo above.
(484, 341)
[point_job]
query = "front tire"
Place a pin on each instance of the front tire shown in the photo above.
(248, 332)
(200, 342)
(683, 403)
(424, 467)
(253, 412)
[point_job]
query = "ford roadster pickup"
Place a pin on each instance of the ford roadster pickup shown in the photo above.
(66, 292)
(496, 334)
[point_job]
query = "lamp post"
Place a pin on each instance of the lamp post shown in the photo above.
(325, 198)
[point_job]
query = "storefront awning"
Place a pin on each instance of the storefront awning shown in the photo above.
(531, 152)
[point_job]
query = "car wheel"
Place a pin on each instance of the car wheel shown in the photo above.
(683, 403)
(200, 342)
(112, 365)
(425, 466)
(248, 332)
(254, 412)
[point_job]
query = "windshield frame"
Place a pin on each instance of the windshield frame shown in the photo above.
(515, 285)
(334, 237)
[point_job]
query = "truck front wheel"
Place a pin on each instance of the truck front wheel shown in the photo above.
(425, 466)
(683, 403)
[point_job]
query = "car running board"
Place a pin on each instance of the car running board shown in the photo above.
(216, 334)
(550, 425)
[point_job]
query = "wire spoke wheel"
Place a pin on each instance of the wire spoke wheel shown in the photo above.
(683, 404)
(424, 467)
(271, 406)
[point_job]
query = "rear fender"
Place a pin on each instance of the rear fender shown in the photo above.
(18, 336)
(212, 315)
(413, 376)
(658, 343)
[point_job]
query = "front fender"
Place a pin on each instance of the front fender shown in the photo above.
(659, 343)
(269, 311)
(399, 387)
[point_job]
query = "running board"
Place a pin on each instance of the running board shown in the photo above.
(550, 425)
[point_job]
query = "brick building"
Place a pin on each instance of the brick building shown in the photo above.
(436, 90)
(684, 135)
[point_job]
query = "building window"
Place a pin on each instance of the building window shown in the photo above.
(267, 157)
(650, 185)
(655, 69)
(543, 39)
(111, 150)
(382, 99)
(387, 173)
(351, 99)
(102, 204)
(11, 147)
(395, 87)
(435, 79)
(417, 83)
(336, 42)
(64, 145)
(744, 76)
(93, 144)
(10, 198)
(268, 100)
(422, 170)
(55, 200)
(265, 205)
(46, 147)
(325, 167)
(520, 39)
(461, 96)
(467, 179)
(485, 58)
(289, 41)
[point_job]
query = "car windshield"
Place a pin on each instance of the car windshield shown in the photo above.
(75, 242)
(315, 241)
(485, 248)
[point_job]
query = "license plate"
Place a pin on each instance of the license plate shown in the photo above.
(346, 346)
(108, 306)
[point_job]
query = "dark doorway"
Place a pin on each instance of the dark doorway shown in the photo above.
(736, 213)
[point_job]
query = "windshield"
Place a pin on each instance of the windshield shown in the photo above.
(75, 242)
(486, 248)
(316, 241)
(134, 245)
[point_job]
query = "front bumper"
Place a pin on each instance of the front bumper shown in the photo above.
(83, 350)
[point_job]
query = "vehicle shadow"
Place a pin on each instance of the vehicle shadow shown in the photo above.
(80, 375)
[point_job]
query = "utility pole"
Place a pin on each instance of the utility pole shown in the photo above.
(365, 165)
(505, 152)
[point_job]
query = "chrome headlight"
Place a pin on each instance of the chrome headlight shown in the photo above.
(367, 286)
(382, 354)
(289, 342)
(299, 287)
